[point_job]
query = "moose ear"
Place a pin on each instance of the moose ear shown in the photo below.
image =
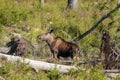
(50, 31)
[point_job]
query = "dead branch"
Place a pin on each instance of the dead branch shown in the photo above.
(92, 62)
(111, 71)
(96, 24)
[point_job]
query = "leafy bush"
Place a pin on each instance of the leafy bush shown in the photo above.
(53, 74)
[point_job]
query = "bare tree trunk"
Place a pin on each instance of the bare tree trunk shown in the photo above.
(69, 5)
(72, 4)
(75, 4)
(42, 2)
(118, 1)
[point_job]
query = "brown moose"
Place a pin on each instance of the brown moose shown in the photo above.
(58, 46)
(17, 46)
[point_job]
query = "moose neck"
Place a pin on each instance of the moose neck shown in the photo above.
(50, 40)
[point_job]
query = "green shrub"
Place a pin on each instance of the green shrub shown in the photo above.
(12, 12)
(53, 74)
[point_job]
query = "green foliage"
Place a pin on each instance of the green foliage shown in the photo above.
(17, 70)
(4, 35)
(117, 78)
(3, 70)
(96, 74)
(53, 74)
(13, 12)
(88, 74)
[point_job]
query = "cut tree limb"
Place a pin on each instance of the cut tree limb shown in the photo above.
(111, 71)
(39, 64)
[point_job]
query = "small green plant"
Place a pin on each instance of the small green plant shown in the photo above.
(96, 74)
(53, 74)
(4, 70)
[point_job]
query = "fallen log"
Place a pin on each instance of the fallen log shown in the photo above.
(112, 73)
(39, 64)
(4, 49)
(93, 62)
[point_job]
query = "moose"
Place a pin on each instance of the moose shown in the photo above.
(17, 46)
(58, 46)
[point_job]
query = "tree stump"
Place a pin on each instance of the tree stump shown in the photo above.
(109, 52)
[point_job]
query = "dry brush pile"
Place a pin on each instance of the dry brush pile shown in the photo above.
(109, 52)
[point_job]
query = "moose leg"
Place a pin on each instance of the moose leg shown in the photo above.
(58, 56)
(71, 56)
(55, 54)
